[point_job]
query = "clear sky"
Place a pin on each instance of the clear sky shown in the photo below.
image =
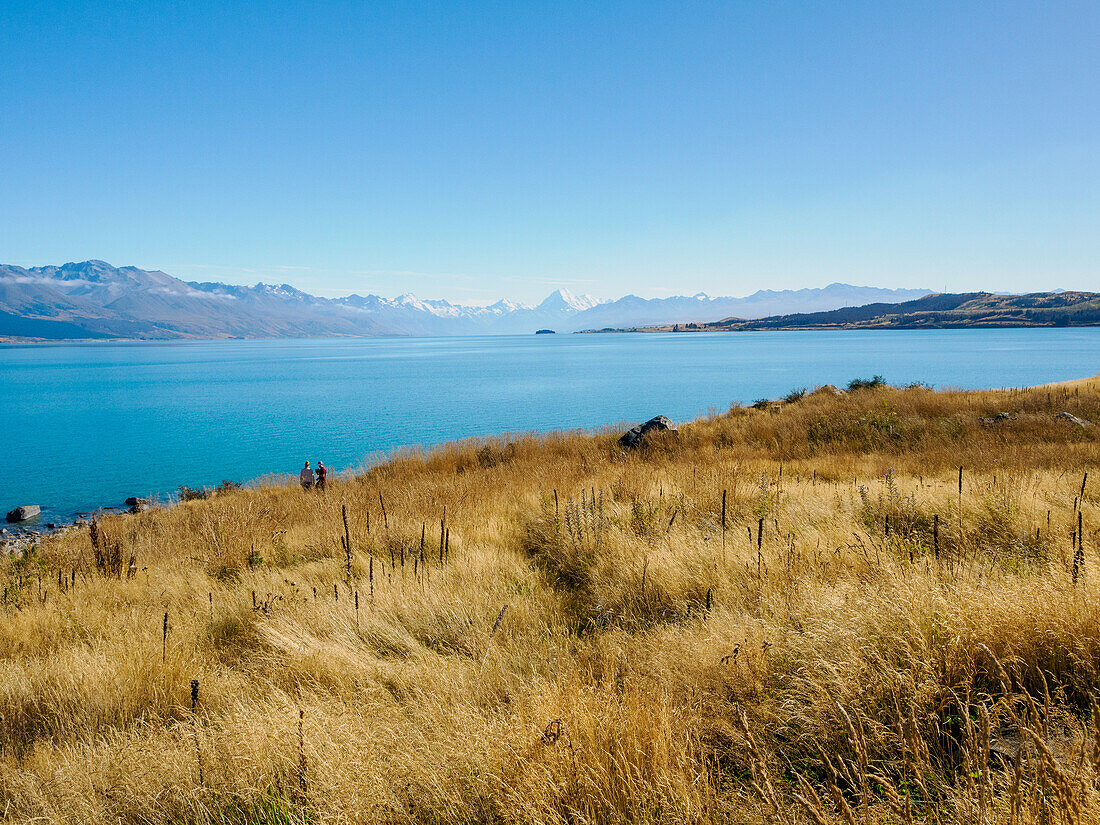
(476, 150)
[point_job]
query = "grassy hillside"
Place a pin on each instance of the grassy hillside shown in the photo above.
(860, 639)
(945, 311)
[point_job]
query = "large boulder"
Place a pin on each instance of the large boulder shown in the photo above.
(637, 435)
(24, 513)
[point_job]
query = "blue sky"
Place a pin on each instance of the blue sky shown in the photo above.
(479, 150)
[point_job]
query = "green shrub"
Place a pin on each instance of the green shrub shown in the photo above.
(192, 493)
(794, 395)
(872, 383)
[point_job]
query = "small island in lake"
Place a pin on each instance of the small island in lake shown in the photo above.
(545, 332)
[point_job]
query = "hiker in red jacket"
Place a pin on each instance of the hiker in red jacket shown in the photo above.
(322, 475)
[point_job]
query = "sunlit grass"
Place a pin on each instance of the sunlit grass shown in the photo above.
(583, 635)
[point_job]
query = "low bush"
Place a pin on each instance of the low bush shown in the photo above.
(872, 383)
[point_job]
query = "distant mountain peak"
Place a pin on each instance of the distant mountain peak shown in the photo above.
(504, 305)
(564, 299)
(285, 290)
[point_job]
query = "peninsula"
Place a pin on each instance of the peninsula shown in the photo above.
(941, 311)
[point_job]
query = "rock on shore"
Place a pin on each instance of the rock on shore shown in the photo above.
(24, 512)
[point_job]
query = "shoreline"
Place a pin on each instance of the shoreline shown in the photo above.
(712, 327)
(16, 536)
(689, 327)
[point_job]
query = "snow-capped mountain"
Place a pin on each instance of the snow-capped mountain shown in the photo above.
(563, 300)
(96, 300)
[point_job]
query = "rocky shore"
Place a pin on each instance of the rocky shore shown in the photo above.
(27, 524)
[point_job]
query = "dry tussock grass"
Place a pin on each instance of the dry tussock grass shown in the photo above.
(583, 635)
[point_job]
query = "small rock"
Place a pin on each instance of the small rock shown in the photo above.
(635, 436)
(1073, 419)
(133, 501)
(828, 389)
(1007, 747)
(140, 506)
(24, 513)
(995, 419)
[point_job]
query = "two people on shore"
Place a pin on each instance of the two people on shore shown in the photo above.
(310, 479)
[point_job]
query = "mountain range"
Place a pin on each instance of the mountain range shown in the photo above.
(941, 311)
(94, 300)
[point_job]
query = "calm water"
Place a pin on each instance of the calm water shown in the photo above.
(87, 425)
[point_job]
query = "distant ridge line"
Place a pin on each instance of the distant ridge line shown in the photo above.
(95, 300)
(937, 311)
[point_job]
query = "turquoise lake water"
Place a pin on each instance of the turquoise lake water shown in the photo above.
(86, 425)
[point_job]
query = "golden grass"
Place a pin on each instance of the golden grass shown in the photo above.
(593, 646)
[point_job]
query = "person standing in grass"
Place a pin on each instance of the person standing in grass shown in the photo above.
(306, 477)
(322, 475)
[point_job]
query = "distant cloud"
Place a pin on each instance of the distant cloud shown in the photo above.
(406, 272)
(557, 281)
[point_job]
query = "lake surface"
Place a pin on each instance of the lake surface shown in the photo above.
(86, 425)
